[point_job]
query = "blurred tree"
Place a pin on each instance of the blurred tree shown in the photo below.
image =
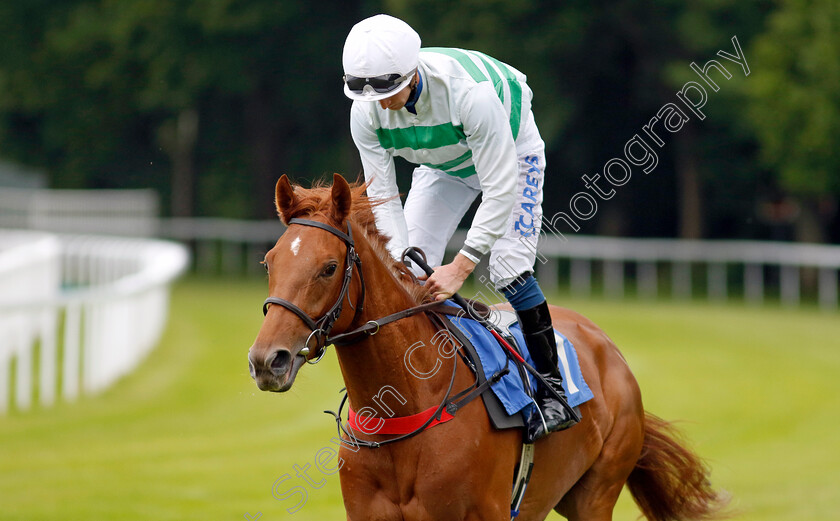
(29, 74)
(795, 107)
(716, 168)
(206, 100)
(209, 101)
(600, 71)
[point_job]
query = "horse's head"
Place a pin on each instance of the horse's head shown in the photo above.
(311, 283)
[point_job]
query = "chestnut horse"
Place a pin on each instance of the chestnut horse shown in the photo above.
(319, 272)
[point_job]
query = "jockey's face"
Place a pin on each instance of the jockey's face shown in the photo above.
(398, 100)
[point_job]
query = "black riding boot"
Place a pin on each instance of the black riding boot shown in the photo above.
(539, 337)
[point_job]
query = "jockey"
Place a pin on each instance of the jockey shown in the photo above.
(465, 119)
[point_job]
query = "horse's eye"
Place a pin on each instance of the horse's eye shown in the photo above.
(329, 271)
(265, 265)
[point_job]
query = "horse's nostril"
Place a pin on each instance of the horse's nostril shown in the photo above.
(281, 361)
(251, 369)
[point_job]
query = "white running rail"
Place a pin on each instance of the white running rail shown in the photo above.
(756, 271)
(123, 213)
(78, 312)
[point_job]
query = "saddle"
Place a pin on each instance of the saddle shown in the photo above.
(502, 320)
(514, 389)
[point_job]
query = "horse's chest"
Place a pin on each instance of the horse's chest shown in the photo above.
(386, 491)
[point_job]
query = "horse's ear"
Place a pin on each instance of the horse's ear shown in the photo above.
(284, 198)
(341, 198)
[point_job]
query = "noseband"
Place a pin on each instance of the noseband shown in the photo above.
(321, 327)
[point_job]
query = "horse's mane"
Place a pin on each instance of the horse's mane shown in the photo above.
(317, 201)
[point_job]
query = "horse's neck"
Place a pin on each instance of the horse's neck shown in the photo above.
(400, 366)
(392, 371)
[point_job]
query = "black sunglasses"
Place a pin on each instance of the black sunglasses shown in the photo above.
(380, 84)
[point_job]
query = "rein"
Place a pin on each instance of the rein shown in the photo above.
(372, 327)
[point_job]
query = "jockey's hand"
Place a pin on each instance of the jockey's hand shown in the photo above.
(448, 279)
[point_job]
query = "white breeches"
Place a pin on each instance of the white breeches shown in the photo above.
(437, 202)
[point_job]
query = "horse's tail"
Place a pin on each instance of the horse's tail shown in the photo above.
(669, 481)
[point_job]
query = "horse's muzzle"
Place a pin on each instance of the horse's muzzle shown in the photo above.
(277, 371)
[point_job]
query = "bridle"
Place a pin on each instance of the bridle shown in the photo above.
(321, 327)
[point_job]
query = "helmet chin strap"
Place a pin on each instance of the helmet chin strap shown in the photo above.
(412, 96)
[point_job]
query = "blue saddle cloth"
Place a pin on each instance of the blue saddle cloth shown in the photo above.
(509, 389)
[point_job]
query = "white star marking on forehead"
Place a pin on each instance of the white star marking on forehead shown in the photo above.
(295, 246)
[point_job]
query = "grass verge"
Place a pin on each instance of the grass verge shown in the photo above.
(189, 437)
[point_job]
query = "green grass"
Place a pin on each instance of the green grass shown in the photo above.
(189, 437)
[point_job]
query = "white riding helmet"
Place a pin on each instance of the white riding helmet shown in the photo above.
(380, 57)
